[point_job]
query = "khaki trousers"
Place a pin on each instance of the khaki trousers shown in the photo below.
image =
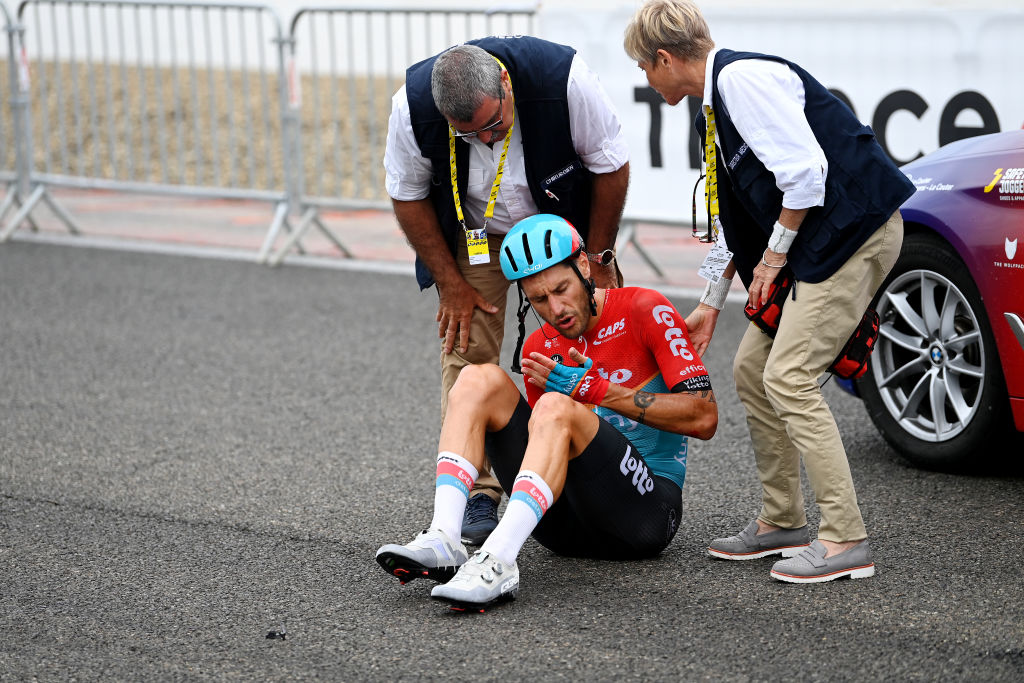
(777, 382)
(486, 332)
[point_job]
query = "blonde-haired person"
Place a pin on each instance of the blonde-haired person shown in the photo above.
(799, 181)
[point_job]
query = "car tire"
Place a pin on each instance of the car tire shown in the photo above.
(935, 387)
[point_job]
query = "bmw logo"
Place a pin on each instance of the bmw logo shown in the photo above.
(936, 355)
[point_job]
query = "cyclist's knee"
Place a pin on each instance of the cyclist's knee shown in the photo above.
(553, 407)
(477, 381)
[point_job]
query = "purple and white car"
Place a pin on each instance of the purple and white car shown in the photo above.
(945, 386)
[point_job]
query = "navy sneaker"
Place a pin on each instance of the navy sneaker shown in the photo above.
(480, 519)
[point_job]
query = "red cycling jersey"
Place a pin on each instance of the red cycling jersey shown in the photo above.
(639, 342)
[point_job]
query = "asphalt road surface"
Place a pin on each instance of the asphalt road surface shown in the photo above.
(194, 453)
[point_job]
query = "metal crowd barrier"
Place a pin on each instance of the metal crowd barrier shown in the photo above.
(353, 59)
(158, 97)
(208, 100)
(21, 191)
(8, 73)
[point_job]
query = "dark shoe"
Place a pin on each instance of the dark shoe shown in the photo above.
(811, 566)
(480, 519)
(749, 545)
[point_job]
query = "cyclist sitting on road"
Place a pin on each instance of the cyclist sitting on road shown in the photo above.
(583, 486)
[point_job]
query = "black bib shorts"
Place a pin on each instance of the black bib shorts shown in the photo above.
(612, 506)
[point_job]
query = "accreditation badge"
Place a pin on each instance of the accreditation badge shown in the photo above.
(715, 263)
(476, 245)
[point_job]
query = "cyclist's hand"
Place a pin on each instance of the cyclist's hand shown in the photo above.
(455, 311)
(580, 383)
(700, 325)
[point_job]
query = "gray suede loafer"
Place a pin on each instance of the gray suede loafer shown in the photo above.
(748, 545)
(811, 565)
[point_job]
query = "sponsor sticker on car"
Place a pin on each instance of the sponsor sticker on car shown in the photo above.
(929, 184)
(1010, 249)
(1008, 184)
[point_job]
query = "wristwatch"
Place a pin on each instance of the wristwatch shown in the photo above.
(603, 258)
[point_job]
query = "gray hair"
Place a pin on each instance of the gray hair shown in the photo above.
(460, 80)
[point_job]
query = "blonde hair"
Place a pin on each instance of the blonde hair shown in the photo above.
(676, 26)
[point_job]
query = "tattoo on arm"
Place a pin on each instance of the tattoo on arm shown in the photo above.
(642, 400)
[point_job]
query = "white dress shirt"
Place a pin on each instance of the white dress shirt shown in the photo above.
(765, 101)
(596, 133)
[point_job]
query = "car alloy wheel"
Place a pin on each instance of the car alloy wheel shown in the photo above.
(934, 387)
(929, 367)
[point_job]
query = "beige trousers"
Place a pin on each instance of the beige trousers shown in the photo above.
(777, 382)
(486, 332)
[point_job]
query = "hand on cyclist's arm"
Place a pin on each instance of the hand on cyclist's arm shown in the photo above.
(694, 413)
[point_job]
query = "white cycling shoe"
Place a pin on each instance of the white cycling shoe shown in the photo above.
(482, 581)
(432, 555)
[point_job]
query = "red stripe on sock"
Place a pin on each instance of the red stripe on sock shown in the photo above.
(527, 487)
(456, 471)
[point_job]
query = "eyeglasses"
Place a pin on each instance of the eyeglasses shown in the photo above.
(489, 126)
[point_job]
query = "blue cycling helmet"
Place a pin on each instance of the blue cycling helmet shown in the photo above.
(532, 245)
(536, 243)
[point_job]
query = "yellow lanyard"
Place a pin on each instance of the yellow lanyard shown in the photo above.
(501, 166)
(711, 181)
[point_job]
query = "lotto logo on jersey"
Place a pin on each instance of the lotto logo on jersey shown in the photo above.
(673, 335)
(698, 383)
(620, 376)
(641, 478)
(611, 332)
(585, 386)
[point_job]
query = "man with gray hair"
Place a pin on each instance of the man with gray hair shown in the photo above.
(479, 74)
(480, 137)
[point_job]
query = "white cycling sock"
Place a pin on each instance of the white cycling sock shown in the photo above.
(530, 499)
(455, 477)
